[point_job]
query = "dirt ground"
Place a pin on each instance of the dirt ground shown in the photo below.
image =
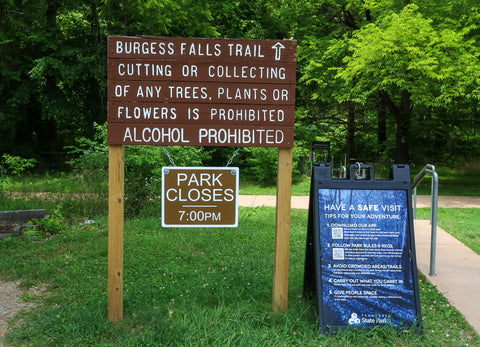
(11, 302)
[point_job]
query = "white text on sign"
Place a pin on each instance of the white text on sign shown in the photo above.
(196, 196)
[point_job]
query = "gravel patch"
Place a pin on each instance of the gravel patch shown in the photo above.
(11, 302)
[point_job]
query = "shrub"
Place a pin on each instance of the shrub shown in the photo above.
(261, 165)
(16, 165)
(53, 224)
(143, 166)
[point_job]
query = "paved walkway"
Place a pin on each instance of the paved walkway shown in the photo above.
(457, 267)
(422, 201)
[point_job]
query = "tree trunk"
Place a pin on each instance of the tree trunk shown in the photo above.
(381, 128)
(403, 126)
(350, 131)
(52, 9)
(49, 130)
(402, 115)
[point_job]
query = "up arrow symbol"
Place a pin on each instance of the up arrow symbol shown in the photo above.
(278, 50)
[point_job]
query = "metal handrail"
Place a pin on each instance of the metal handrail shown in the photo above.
(429, 169)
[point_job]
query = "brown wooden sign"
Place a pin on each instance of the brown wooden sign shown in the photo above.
(172, 48)
(183, 113)
(212, 92)
(153, 70)
(202, 92)
(200, 197)
(197, 135)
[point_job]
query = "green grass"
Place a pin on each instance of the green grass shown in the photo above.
(451, 182)
(462, 223)
(194, 286)
(76, 194)
(55, 182)
(461, 182)
(199, 287)
(300, 188)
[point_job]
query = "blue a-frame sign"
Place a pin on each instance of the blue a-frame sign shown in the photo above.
(360, 256)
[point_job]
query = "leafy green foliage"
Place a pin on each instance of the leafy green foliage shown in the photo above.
(400, 69)
(261, 165)
(252, 19)
(54, 71)
(91, 154)
(159, 18)
(16, 165)
(405, 51)
(380, 79)
(142, 168)
(52, 224)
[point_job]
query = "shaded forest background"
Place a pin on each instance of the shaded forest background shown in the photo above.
(383, 80)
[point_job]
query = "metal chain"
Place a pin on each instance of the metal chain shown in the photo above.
(173, 163)
(233, 156)
(168, 156)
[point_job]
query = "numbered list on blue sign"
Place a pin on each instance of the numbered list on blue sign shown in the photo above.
(367, 276)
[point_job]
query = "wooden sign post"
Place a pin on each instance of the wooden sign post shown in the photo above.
(282, 234)
(115, 231)
(200, 92)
